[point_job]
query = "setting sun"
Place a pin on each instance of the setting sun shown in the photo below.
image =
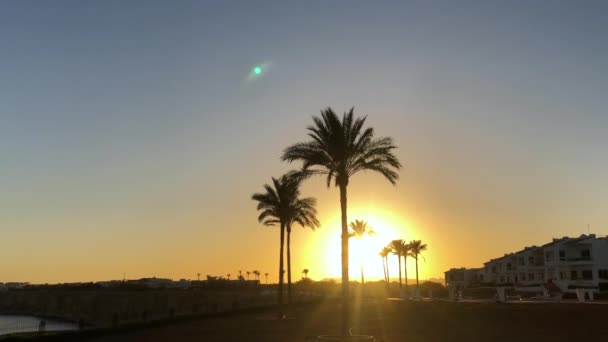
(386, 226)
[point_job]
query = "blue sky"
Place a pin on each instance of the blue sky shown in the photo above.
(130, 119)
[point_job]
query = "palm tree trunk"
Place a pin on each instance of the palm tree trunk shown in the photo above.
(405, 271)
(400, 286)
(416, 275)
(345, 308)
(384, 269)
(388, 276)
(281, 271)
(362, 277)
(288, 264)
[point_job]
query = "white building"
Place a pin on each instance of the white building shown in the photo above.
(568, 263)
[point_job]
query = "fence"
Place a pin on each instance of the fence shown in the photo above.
(30, 326)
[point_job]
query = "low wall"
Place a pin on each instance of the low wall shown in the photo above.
(111, 307)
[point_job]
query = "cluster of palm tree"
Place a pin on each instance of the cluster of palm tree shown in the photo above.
(402, 249)
(282, 205)
(337, 149)
(256, 275)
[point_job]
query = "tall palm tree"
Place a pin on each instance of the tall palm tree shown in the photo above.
(339, 149)
(398, 248)
(281, 205)
(266, 275)
(305, 272)
(416, 248)
(301, 211)
(256, 275)
(384, 254)
(406, 251)
(248, 273)
(358, 230)
(228, 275)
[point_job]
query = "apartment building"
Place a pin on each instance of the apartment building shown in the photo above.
(568, 263)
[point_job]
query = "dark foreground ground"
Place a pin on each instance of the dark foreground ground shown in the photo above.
(399, 321)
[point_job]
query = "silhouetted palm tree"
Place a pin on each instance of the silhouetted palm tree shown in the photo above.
(416, 248)
(358, 230)
(405, 253)
(256, 274)
(228, 276)
(248, 273)
(340, 149)
(384, 254)
(281, 205)
(305, 272)
(399, 247)
(266, 275)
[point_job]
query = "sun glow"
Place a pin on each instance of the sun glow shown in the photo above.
(362, 252)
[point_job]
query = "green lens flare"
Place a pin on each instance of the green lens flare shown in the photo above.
(257, 70)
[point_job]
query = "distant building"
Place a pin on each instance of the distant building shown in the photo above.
(568, 263)
(462, 277)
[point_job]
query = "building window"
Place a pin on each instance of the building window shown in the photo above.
(587, 274)
(502, 279)
(530, 276)
(522, 276)
(602, 274)
(562, 255)
(531, 260)
(520, 260)
(586, 254)
(549, 255)
(508, 266)
(493, 269)
(573, 275)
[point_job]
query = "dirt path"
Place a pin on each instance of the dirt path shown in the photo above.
(399, 321)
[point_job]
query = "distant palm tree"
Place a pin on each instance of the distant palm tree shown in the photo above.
(228, 276)
(281, 205)
(416, 248)
(398, 247)
(407, 251)
(340, 149)
(305, 272)
(198, 276)
(358, 230)
(256, 274)
(240, 274)
(266, 275)
(384, 254)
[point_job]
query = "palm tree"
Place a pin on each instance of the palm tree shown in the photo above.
(228, 276)
(399, 247)
(256, 274)
(305, 272)
(358, 230)
(340, 149)
(266, 275)
(417, 247)
(281, 205)
(384, 254)
(240, 274)
(406, 251)
(301, 211)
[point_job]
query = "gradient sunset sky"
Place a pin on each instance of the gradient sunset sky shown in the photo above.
(132, 135)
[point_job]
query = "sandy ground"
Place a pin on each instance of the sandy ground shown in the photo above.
(400, 321)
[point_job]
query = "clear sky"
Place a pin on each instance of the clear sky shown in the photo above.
(132, 135)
